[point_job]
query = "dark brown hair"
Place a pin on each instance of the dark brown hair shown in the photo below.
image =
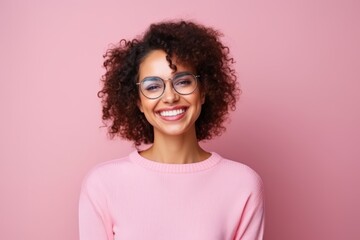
(194, 45)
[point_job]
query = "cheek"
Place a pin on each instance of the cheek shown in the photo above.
(200, 97)
(145, 105)
(197, 102)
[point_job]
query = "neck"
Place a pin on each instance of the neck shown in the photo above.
(176, 149)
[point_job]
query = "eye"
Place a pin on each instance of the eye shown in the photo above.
(152, 84)
(152, 87)
(184, 81)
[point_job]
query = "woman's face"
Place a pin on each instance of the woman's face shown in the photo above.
(170, 114)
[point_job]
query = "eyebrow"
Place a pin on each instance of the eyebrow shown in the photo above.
(153, 78)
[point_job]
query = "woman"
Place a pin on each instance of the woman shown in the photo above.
(171, 88)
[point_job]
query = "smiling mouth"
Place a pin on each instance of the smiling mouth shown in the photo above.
(172, 113)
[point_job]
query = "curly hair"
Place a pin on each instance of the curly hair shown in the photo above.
(194, 45)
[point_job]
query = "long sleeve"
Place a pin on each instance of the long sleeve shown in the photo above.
(134, 199)
(94, 220)
(251, 225)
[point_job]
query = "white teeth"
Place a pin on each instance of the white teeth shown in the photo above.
(172, 113)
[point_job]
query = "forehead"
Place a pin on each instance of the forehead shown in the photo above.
(155, 64)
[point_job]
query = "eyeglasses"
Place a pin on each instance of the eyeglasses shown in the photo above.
(183, 83)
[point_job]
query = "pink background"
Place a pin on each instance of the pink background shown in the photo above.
(297, 123)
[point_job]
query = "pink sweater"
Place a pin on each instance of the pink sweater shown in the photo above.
(135, 199)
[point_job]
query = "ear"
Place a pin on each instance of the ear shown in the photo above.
(202, 97)
(140, 106)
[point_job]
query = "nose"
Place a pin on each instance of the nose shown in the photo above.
(169, 95)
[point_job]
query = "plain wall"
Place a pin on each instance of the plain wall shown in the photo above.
(296, 124)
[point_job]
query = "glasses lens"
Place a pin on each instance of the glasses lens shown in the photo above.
(152, 87)
(184, 83)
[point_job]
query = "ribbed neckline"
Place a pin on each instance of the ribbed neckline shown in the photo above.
(175, 168)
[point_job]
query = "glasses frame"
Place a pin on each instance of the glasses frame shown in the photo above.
(172, 84)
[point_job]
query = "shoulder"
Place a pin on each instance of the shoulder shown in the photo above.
(241, 175)
(107, 171)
